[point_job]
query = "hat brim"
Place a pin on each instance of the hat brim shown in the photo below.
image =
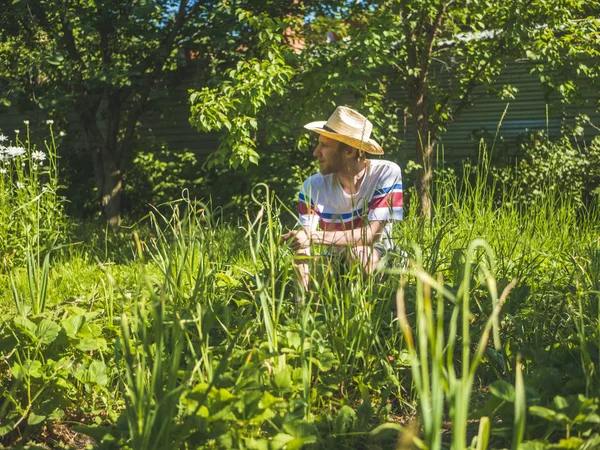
(368, 146)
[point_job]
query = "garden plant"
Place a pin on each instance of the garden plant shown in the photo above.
(182, 330)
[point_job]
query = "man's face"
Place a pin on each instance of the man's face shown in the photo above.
(329, 156)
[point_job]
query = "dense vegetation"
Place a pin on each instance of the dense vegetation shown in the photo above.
(182, 331)
(179, 327)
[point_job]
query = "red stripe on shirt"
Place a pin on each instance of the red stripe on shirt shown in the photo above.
(393, 199)
(341, 226)
(304, 208)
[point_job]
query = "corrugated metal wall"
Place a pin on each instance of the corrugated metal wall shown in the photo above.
(531, 110)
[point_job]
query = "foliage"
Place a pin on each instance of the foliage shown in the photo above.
(563, 166)
(102, 63)
(235, 104)
(158, 175)
(192, 335)
(31, 204)
(438, 55)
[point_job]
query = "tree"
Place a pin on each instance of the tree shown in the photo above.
(470, 41)
(106, 60)
(411, 43)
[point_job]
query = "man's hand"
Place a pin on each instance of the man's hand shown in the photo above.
(297, 239)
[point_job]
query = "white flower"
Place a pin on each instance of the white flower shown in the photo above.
(3, 170)
(38, 155)
(3, 138)
(49, 122)
(15, 151)
(17, 132)
(20, 185)
(44, 188)
(26, 122)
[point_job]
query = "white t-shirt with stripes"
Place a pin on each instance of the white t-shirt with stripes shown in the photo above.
(323, 203)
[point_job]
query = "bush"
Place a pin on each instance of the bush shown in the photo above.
(563, 166)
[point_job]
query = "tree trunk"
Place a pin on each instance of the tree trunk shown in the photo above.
(111, 191)
(425, 143)
(107, 171)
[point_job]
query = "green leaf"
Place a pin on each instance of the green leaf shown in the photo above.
(97, 373)
(542, 412)
(280, 440)
(283, 380)
(560, 402)
(25, 325)
(47, 331)
(56, 414)
(34, 419)
(345, 420)
(86, 344)
(503, 390)
(31, 368)
(73, 324)
(6, 427)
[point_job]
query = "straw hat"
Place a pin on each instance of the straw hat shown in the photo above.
(350, 127)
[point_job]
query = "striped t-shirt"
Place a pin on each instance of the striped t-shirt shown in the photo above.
(324, 204)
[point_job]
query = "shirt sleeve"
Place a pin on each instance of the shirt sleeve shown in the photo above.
(387, 201)
(307, 213)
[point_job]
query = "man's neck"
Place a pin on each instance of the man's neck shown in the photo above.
(352, 175)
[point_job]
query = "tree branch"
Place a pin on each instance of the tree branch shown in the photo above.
(158, 59)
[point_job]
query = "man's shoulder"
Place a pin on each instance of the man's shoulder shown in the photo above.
(384, 168)
(314, 182)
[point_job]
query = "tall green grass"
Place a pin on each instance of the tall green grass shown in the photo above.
(186, 331)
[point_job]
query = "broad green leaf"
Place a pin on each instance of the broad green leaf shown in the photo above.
(282, 380)
(56, 414)
(269, 400)
(345, 420)
(28, 368)
(542, 412)
(503, 390)
(25, 325)
(560, 402)
(73, 324)
(280, 441)
(97, 373)
(47, 331)
(34, 419)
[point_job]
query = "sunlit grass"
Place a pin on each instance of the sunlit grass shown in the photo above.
(185, 329)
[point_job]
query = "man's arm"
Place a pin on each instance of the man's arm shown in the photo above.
(363, 236)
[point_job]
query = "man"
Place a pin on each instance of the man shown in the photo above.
(352, 200)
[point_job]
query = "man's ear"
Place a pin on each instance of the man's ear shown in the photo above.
(350, 152)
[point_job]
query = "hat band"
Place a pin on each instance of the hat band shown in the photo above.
(331, 130)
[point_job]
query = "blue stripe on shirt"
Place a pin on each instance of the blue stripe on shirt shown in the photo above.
(385, 190)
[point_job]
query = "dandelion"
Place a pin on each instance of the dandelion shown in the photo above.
(26, 122)
(49, 122)
(38, 155)
(3, 138)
